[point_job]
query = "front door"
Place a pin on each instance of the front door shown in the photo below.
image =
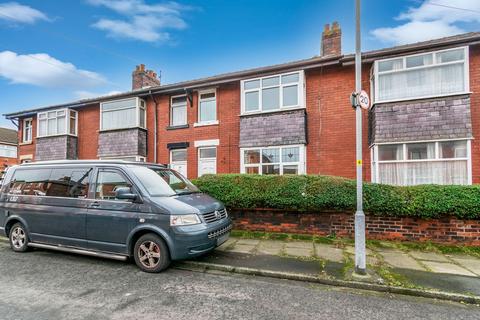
(207, 161)
(110, 220)
(178, 161)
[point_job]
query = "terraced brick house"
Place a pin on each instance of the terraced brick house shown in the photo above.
(8, 148)
(291, 118)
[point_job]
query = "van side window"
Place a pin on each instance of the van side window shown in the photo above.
(32, 182)
(69, 183)
(108, 182)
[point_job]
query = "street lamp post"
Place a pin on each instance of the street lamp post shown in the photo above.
(360, 257)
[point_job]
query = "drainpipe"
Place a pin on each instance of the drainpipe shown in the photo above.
(155, 127)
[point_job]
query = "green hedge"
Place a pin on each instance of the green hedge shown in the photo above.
(316, 193)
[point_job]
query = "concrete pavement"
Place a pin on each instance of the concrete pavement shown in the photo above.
(50, 285)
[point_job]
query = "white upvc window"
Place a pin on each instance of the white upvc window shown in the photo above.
(426, 162)
(122, 114)
(8, 151)
(27, 130)
(273, 93)
(57, 122)
(178, 160)
(207, 160)
(423, 75)
(178, 110)
(273, 160)
(207, 107)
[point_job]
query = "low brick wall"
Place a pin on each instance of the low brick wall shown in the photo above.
(444, 230)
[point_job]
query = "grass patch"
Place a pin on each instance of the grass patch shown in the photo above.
(393, 279)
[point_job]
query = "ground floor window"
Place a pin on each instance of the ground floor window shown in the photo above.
(178, 160)
(431, 162)
(273, 160)
(207, 160)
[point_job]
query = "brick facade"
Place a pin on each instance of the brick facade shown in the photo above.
(326, 125)
(444, 230)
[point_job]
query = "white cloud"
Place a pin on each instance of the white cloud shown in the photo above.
(18, 13)
(432, 19)
(42, 70)
(141, 21)
(85, 94)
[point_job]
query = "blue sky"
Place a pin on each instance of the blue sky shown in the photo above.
(54, 51)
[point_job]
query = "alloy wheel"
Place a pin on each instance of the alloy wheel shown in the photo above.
(18, 237)
(149, 254)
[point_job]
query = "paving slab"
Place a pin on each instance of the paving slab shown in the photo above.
(328, 252)
(351, 250)
(471, 263)
(399, 259)
(250, 242)
(242, 248)
(270, 247)
(299, 249)
(226, 244)
(430, 256)
(443, 267)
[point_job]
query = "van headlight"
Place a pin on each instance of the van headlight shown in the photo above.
(184, 219)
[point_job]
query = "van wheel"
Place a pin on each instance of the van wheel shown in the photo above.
(18, 238)
(151, 253)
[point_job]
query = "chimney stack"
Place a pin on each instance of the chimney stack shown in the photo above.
(331, 40)
(142, 78)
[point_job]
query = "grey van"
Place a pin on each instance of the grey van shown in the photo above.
(111, 209)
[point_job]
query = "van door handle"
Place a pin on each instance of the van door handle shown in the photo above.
(95, 204)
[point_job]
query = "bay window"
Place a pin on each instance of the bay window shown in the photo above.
(57, 122)
(178, 111)
(421, 75)
(272, 93)
(274, 160)
(435, 162)
(122, 114)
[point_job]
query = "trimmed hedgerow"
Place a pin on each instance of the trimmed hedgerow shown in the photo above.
(317, 193)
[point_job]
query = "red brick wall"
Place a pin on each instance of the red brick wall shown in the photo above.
(331, 122)
(227, 131)
(475, 110)
(29, 148)
(444, 230)
(88, 128)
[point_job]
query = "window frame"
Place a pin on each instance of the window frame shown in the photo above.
(300, 92)
(199, 159)
(199, 100)
(67, 122)
(374, 156)
(4, 146)
(302, 161)
(171, 110)
(435, 64)
(24, 127)
(138, 107)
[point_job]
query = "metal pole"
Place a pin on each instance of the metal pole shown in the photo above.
(360, 259)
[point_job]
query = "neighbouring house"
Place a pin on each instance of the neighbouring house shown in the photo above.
(8, 148)
(291, 118)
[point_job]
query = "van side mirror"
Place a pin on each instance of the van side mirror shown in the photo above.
(125, 193)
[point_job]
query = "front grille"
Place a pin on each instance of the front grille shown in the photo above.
(219, 232)
(210, 217)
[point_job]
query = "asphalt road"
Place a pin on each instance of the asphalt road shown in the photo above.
(49, 285)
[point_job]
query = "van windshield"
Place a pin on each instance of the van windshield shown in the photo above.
(163, 182)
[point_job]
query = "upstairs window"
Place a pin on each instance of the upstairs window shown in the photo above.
(272, 93)
(422, 75)
(122, 114)
(207, 106)
(27, 130)
(57, 122)
(178, 111)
